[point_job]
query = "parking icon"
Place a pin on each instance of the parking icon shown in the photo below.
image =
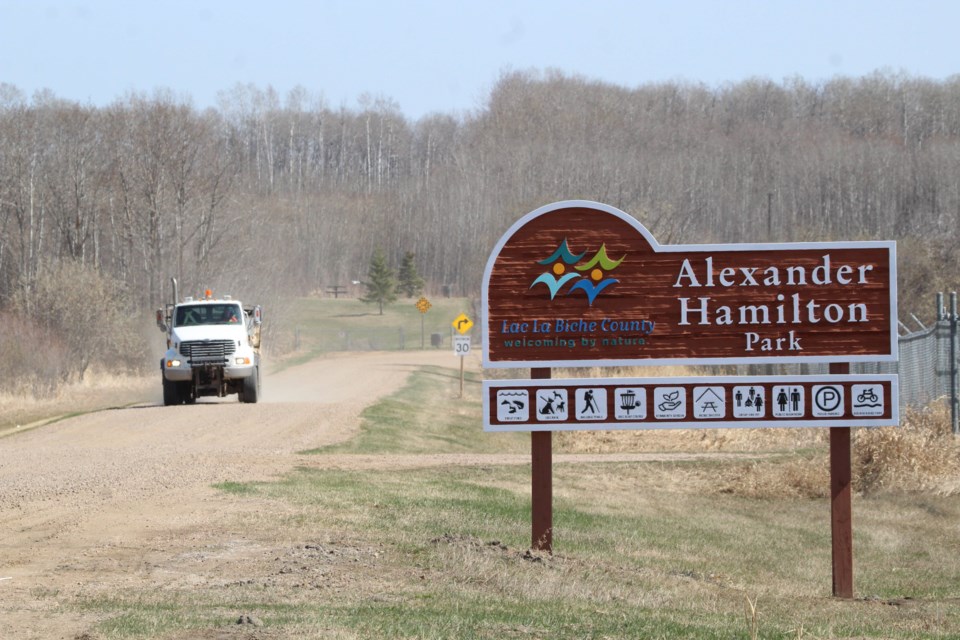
(827, 401)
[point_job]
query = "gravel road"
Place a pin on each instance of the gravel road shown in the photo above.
(89, 493)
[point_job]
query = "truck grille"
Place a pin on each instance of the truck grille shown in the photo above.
(208, 351)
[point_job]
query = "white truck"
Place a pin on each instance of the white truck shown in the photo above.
(213, 349)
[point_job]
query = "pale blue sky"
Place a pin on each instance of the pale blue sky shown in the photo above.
(444, 56)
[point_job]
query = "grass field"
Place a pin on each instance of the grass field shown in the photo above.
(347, 324)
(671, 549)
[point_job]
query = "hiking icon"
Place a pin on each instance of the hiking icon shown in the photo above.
(591, 404)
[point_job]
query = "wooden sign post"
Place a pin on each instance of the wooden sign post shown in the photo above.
(582, 284)
(841, 507)
(541, 486)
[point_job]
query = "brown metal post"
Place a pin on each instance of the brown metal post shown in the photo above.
(841, 510)
(541, 490)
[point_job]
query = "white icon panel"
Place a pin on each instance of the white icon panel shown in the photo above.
(513, 405)
(591, 404)
(749, 402)
(827, 401)
(709, 403)
(787, 401)
(551, 405)
(669, 403)
(867, 400)
(630, 403)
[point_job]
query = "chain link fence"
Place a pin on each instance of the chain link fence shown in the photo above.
(926, 366)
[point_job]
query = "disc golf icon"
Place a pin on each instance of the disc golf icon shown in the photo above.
(628, 401)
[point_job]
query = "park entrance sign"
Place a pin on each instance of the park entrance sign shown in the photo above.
(584, 284)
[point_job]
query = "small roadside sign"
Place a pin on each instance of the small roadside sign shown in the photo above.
(423, 305)
(461, 345)
(462, 323)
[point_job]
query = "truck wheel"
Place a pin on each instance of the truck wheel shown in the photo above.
(250, 392)
(171, 393)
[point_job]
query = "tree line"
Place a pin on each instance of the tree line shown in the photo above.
(268, 196)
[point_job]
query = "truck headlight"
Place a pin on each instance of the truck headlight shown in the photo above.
(173, 363)
(242, 360)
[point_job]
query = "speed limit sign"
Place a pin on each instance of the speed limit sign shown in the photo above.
(461, 345)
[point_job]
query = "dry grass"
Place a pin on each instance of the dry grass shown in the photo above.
(33, 359)
(921, 455)
(98, 390)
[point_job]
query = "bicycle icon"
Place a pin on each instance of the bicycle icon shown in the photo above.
(869, 399)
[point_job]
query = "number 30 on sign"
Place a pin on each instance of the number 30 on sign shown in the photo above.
(461, 345)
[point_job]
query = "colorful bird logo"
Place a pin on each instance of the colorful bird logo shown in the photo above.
(590, 277)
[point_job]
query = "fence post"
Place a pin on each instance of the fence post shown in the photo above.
(954, 401)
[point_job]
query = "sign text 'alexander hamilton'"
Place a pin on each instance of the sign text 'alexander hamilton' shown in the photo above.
(784, 308)
(582, 283)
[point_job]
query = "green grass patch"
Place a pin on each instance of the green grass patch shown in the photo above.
(428, 416)
(237, 488)
(323, 325)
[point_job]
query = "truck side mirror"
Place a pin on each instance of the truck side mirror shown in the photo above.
(160, 323)
(257, 315)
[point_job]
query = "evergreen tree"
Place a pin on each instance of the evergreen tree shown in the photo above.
(411, 284)
(381, 285)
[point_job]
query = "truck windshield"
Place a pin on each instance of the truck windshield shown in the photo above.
(197, 314)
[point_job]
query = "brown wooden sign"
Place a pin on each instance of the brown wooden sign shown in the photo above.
(584, 284)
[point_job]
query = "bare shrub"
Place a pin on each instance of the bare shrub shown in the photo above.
(89, 313)
(920, 455)
(33, 359)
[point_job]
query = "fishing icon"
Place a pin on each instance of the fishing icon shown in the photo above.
(512, 405)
